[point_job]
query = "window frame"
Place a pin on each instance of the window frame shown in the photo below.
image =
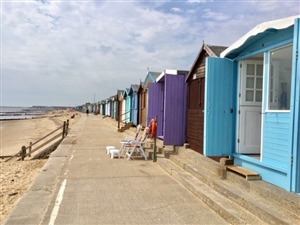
(268, 65)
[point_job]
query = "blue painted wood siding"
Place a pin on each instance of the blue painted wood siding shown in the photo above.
(127, 109)
(276, 140)
(175, 98)
(220, 107)
(108, 108)
(278, 128)
(134, 108)
(296, 117)
(156, 105)
(111, 108)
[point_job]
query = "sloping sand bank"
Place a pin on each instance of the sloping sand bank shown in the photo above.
(16, 176)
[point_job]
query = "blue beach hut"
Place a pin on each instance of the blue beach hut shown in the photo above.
(114, 101)
(102, 107)
(134, 105)
(252, 109)
(127, 98)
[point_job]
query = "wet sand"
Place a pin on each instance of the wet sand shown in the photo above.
(16, 176)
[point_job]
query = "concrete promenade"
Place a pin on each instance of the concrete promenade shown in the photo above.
(80, 184)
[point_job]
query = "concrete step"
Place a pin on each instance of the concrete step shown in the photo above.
(238, 190)
(285, 201)
(229, 210)
(150, 153)
(161, 150)
(198, 159)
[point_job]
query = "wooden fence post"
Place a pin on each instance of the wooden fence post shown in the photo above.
(30, 146)
(67, 129)
(23, 152)
(64, 130)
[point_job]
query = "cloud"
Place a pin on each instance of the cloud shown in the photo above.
(176, 9)
(65, 52)
(209, 14)
(197, 1)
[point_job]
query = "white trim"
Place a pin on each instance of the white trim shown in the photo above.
(169, 72)
(276, 24)
(277, 111)
(268, 110)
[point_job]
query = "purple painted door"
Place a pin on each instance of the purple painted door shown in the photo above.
(156, 105)
(175, 99)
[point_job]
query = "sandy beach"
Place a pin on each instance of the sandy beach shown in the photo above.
(16, 176)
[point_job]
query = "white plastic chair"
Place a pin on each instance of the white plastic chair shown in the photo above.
(136, 147)
(125, 144)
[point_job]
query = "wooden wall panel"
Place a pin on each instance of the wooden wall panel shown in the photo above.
(195, 116)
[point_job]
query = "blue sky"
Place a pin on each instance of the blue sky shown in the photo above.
(67, 53)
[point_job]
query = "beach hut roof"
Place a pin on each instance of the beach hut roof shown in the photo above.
(126, 91)
(211, 50)
(161, 77)
(150, 78)
(113, 98)
(256, 34)
(134, 88)
(120, 94)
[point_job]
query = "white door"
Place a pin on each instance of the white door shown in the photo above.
(250, 107)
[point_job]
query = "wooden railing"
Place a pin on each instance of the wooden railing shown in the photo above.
(122, 121)
(55, 137)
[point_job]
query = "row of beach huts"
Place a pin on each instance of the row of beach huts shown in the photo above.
(241, 102)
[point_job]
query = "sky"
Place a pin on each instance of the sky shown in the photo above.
(68, 53)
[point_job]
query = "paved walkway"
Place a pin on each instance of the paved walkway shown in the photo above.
(80, 184)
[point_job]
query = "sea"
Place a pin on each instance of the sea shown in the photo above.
(17, 113)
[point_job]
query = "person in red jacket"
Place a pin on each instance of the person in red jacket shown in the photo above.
(152, 128)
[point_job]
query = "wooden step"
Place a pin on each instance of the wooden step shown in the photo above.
(248, 174)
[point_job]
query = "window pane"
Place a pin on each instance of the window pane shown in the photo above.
(271, 84)
(259, 70)
(249, 96)
(280, 78)
(250, 69)
(250, 82)
(259, 83)
(271, 96)
(258, 96)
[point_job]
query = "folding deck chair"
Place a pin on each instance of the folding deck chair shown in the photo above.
(137, 146)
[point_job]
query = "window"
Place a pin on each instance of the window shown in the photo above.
(280, 69)
(254, 81)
